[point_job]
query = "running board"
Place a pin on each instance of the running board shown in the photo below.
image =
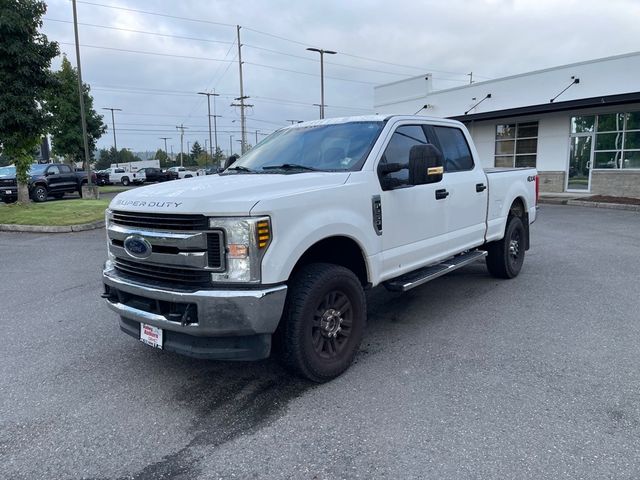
(423, 275)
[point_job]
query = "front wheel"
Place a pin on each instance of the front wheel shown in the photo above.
(125, 181)
(505, 257)
(323, 322)
(40, 193)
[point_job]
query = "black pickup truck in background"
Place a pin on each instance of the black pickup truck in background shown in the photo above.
(157, 175)
(45, 180)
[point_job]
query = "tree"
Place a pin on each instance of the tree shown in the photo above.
(66, 124)
(25, 58)
(164, 159)
(218, 157)
(196, 150)
(107, 157)
(187, 161)
(203, 160)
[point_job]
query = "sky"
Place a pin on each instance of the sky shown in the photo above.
(191, 46)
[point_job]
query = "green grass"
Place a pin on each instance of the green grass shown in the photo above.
(61, 212)
(113, 189)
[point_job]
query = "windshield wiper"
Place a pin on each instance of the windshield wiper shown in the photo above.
(290, 166)
(240, 168)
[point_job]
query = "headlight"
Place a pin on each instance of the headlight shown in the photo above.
(247, 239)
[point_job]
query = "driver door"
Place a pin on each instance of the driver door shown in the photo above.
(414, 220)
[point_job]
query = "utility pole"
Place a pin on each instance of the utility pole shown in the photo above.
(256, 137)
(113, 124)
(83, 119)
(171, 157)
(242, 97)
(165, 143)
(322, 52)
(230, 145)
(470, 75)
(181, 127)
(294, 121)
(321, 109)
(209, 95)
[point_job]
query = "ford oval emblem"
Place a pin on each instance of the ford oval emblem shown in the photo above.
(137, 247)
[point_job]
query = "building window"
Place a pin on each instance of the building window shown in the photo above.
(516, 145)
(617, 138)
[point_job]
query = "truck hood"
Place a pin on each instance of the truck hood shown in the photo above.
(234, 194)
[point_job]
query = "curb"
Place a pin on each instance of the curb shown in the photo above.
(610, 206)
(4, 227)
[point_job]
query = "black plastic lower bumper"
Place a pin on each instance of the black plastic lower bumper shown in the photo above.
(249, 347)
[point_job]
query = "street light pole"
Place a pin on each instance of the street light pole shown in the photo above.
(322, 52)
(113, 124)
(230, 145)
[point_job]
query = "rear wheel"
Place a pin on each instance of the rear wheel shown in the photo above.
(505, 257)
(40, 193)
(323, 322)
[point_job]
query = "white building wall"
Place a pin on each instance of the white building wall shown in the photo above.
(608, 76)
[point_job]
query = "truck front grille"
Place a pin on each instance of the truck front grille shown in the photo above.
(8, 183)
(161, 221)
(146, 272)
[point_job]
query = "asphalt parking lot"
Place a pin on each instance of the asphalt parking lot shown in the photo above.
(464, 377)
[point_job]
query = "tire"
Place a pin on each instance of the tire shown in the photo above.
(323, 321)
(505, 257)
(39, 193)
(188, 176)
(125, 181)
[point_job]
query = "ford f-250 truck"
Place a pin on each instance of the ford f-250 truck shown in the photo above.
(281, 246)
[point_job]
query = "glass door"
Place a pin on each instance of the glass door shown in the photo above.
(579, 174)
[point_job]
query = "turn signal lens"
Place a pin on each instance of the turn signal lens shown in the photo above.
(237, 250)
(263, 232)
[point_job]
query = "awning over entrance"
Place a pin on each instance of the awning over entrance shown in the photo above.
(553, 107)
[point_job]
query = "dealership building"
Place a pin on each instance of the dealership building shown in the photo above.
(578, 124)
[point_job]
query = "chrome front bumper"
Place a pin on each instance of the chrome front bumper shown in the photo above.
(219, 312)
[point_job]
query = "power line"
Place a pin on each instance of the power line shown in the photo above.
(290, 40)
(198, 20)
(126, 50)
(309, 74)
(143, 32)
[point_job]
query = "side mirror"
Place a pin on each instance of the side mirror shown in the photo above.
(426, 164)
(386, 168)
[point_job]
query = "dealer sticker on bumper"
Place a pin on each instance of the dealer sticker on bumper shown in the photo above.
(151, 335)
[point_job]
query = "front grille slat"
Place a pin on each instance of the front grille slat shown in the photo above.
(160, 220)
(181, 276)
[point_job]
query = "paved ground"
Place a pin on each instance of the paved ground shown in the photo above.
(465, 377)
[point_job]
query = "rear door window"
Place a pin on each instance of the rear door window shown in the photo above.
(454, 148)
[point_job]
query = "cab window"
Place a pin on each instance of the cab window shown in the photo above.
(53, 170)
(398, 149)
(64, 169)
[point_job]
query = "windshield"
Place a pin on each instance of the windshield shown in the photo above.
(335, 147)
(35, 169)
(7, 171)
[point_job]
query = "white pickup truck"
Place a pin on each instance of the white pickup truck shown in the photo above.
(282, 245)
(182, 172)
(125, 177)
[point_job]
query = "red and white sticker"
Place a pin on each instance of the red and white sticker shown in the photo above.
(151, 335)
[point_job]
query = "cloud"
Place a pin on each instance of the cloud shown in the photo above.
(492, 38)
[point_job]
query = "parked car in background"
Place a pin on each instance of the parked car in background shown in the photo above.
(153, 174)
(45, 180)
(102, 177)
(124, 177)
(182, 172)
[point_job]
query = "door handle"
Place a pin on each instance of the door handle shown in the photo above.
(441, 194)
(480, 187)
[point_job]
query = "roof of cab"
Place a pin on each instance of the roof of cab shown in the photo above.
(368, 118)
